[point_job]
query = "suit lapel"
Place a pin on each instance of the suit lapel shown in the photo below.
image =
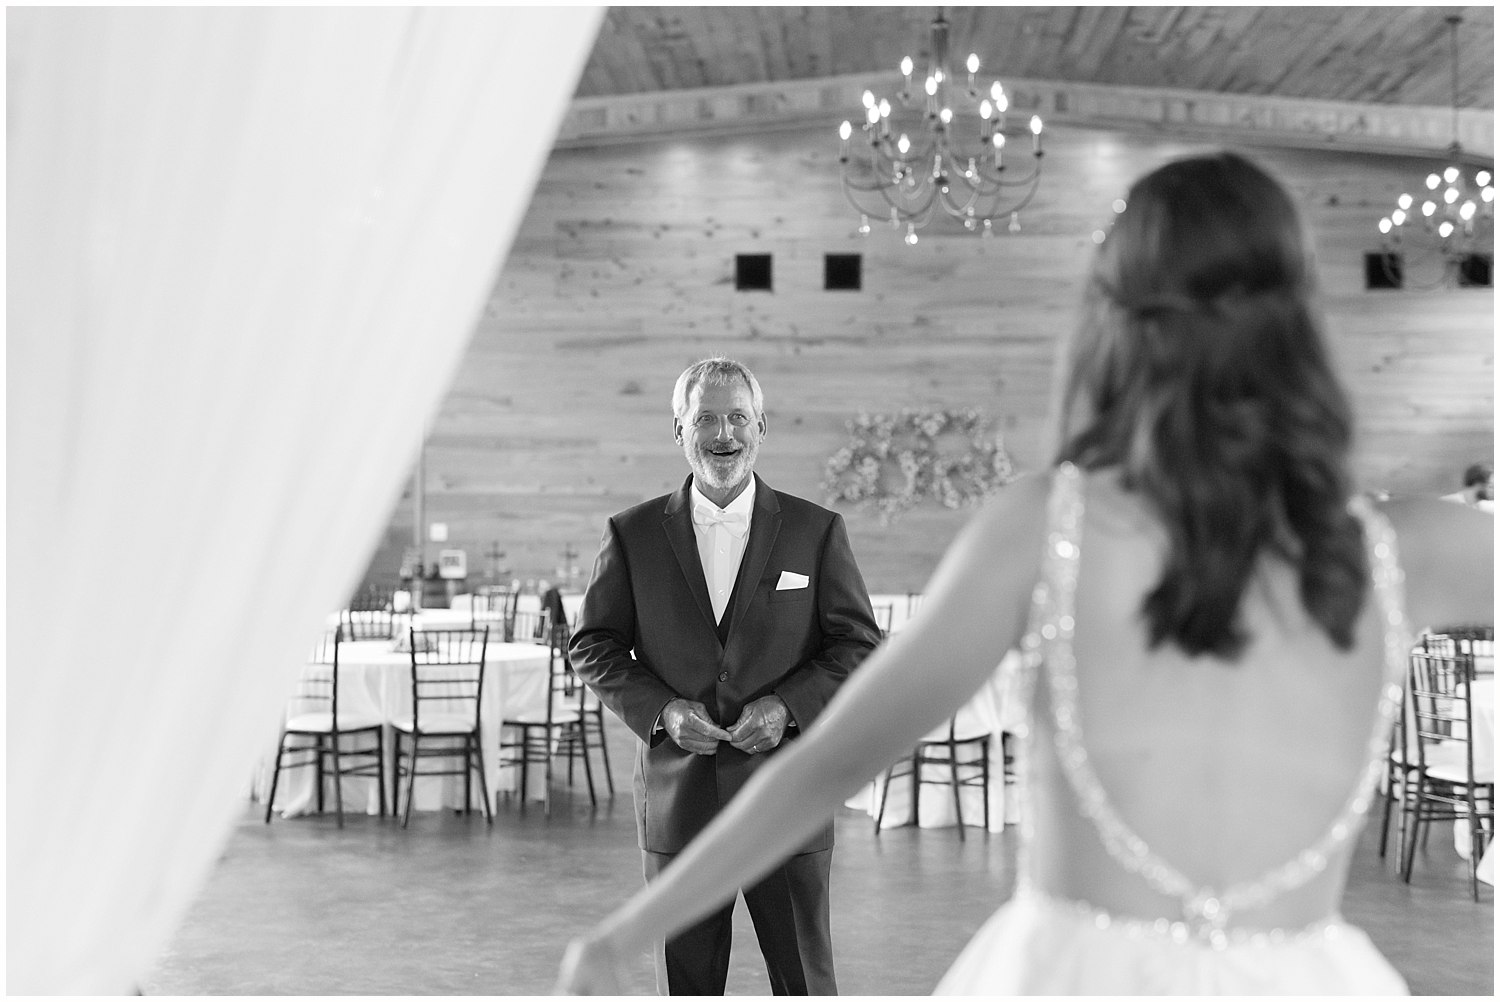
(678, 525)
(764, 527)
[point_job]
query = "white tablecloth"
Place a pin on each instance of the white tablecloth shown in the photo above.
(374, 678)
(1482, 699)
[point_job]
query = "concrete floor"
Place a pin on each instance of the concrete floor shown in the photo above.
(451, 907)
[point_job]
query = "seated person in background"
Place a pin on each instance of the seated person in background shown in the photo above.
(1479, 488)
(552, 604)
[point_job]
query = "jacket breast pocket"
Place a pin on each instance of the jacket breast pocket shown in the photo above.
(789, 595)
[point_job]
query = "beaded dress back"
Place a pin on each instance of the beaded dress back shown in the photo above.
(1047, 648)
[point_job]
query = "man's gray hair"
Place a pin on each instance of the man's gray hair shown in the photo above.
(716, 371)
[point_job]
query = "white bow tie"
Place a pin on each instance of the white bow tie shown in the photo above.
(738, 523)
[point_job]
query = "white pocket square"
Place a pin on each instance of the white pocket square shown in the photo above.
(790, 580)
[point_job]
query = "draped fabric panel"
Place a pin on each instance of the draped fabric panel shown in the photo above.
(246, 249)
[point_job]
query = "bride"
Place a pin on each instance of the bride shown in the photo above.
(1214, 632)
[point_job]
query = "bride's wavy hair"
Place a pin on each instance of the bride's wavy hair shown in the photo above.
(1200, 371)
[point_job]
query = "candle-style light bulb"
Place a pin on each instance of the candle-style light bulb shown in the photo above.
(1466, 212)
(903, 144)
(946, 115)
(911, 235)
(973, 63)
(906, 66)
(872, 115)
(986, 109)
(1036, 133)
(1398, 218)
(868, 99)
(1450, 175)
(885, 108)
(1482, 178)
(1432, 182)
(1385, 225)
(1450, 196)
(1445, 230)
(931, 86)
(998, 141)
(1428, 208)
(1404, 201)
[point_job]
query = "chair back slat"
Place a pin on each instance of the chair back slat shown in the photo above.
(368, 624)
(533, 626)
(567, 688)
(493, 607)
(1438, 703)
(317, 688)
(447, 671)
(1473, 643)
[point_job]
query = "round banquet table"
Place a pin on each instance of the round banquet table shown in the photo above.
(375, 678)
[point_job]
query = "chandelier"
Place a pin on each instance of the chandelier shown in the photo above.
(941, 148)
(1430, 237)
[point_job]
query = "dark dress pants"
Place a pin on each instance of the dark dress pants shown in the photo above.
(789, 909)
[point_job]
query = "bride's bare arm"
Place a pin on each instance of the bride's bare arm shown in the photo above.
(974, 611)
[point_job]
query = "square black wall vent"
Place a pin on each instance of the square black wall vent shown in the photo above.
(1382, 271)
(842, 271)
(1476, 270)
(752, 272)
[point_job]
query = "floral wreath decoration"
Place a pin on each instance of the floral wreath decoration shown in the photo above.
(893, 462)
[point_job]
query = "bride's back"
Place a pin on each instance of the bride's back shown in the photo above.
(1224, 768)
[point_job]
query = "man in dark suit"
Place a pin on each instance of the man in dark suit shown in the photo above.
(719, 622)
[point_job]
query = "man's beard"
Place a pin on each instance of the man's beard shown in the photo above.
(721, 472)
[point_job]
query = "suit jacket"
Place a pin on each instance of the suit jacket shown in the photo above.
(646, 635)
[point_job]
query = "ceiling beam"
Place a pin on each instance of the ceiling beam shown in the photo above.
(1297, 122)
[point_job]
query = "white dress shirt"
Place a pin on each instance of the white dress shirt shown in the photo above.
(721, 545)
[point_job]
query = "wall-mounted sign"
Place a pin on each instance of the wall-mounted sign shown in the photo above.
(437, 532)
(453, 563)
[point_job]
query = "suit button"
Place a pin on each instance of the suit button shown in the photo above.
(723, 676)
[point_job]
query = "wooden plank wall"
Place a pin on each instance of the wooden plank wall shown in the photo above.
(623, 274)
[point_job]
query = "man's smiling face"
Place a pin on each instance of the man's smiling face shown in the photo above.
(720, 434)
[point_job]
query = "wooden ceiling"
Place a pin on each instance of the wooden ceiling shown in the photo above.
(1377, 79)
(1371, 55)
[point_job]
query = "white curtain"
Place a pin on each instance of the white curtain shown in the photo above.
(246, 248)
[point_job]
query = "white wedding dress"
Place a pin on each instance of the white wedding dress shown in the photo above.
(1187, 824)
